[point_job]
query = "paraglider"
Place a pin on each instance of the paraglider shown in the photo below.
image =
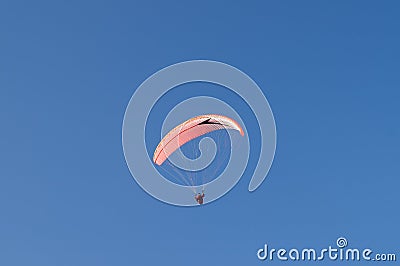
(190, 130)
(199, 197)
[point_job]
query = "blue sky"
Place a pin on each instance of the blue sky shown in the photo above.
(68, 69)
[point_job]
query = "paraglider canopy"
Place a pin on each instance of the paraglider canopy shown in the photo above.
(189, 130)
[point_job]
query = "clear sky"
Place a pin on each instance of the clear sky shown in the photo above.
(330, 70)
